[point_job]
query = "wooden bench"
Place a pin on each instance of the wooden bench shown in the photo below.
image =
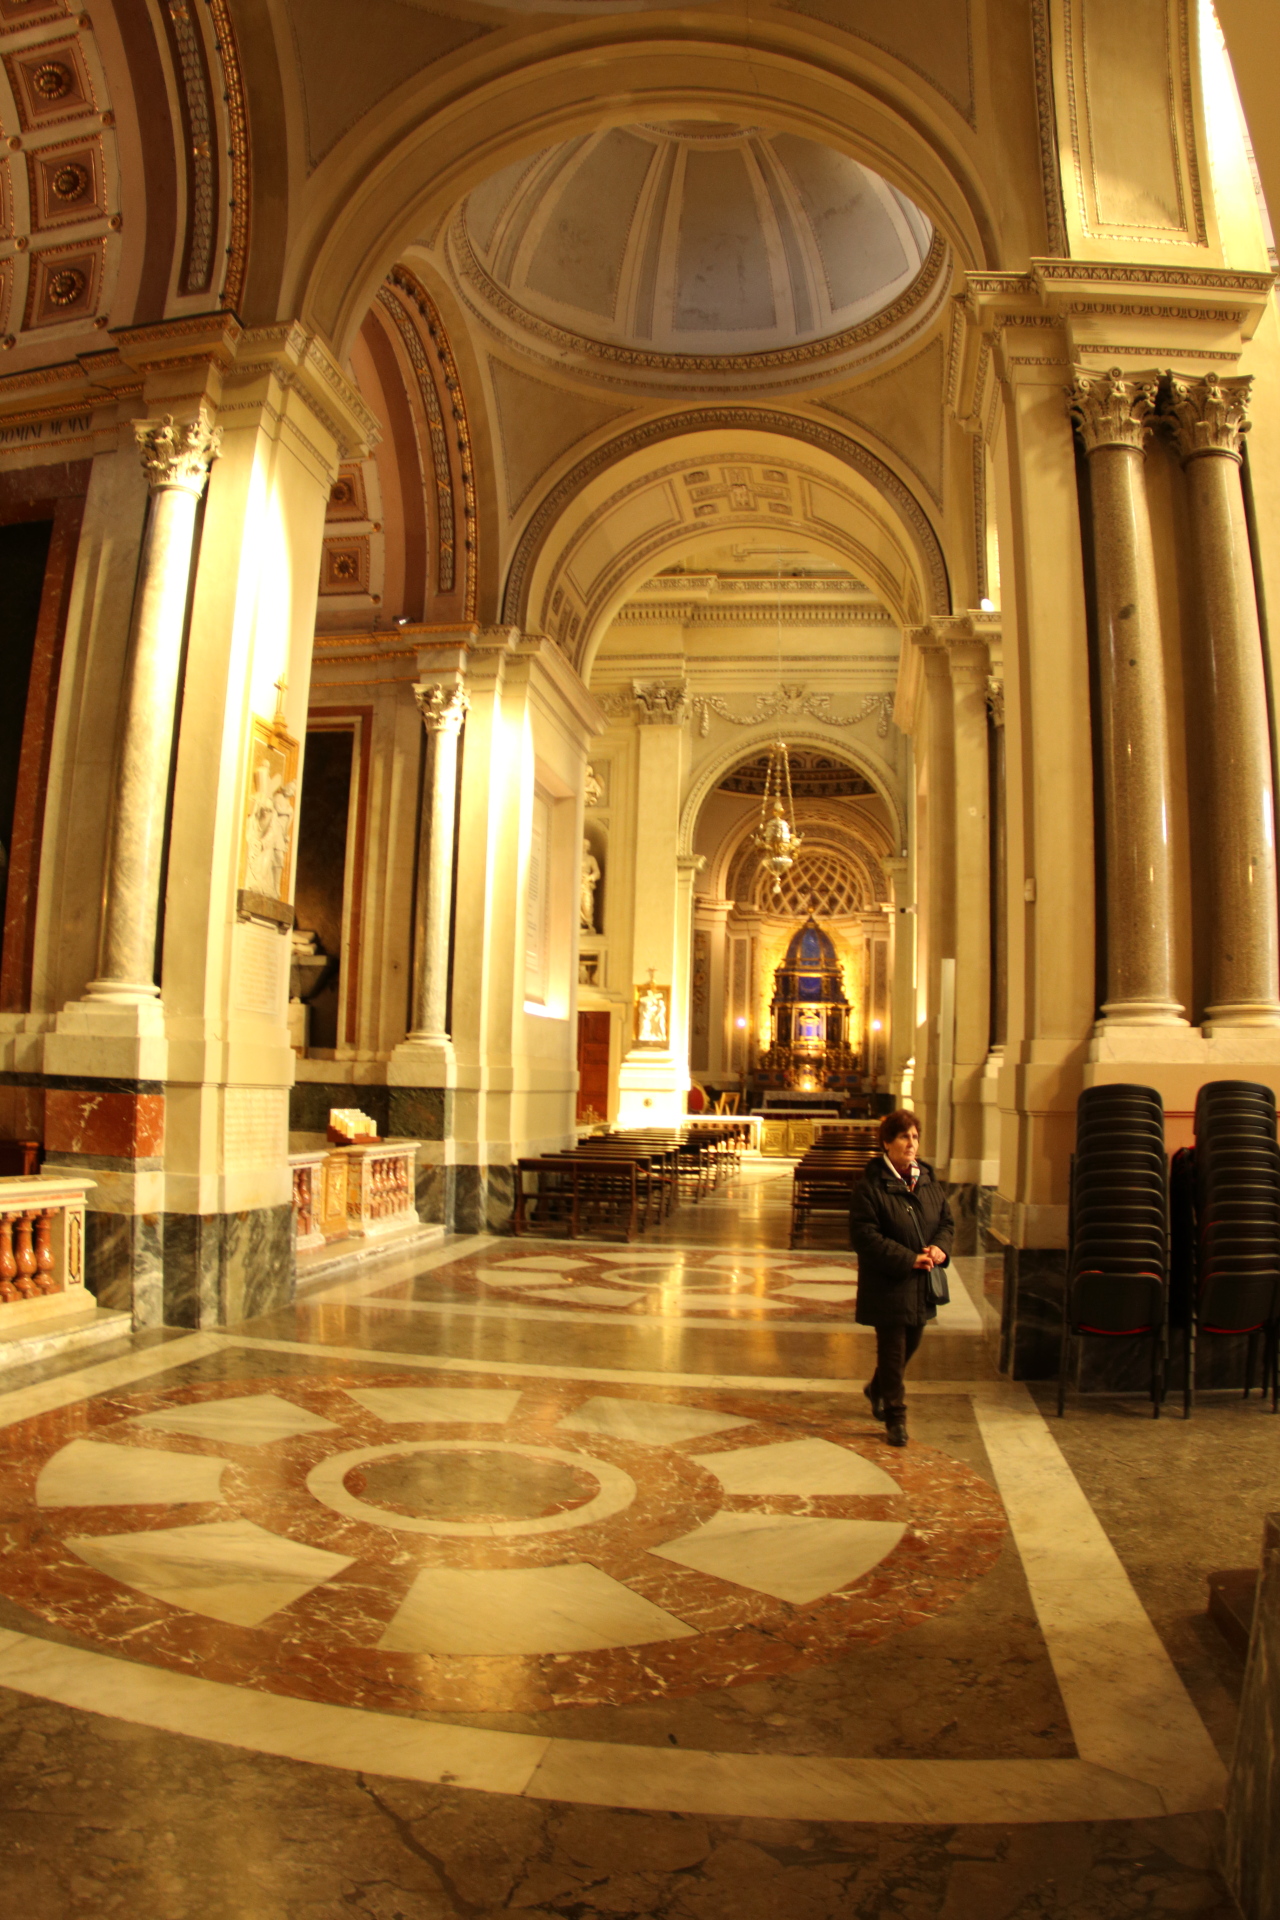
(823, 1183)
(572, 1194)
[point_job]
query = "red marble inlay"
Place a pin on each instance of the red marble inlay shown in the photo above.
(126, 1126)
(324, 1645)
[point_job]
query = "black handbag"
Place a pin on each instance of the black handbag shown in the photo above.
(939, 1291)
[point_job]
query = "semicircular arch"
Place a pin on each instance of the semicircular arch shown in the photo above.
(708, 776)
(872, 523)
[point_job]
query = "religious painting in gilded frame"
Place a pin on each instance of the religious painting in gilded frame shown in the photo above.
(270, 814)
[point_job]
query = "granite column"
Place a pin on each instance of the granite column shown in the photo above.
(1113, 416)
(443, 710)
(1209, 420)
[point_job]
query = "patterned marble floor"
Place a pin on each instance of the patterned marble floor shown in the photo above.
(557, 1523)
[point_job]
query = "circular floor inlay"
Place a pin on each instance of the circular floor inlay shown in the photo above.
(477, 1483)
(504, 1463)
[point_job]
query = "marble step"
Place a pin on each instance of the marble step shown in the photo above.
(80, 1326)
(323, 1263)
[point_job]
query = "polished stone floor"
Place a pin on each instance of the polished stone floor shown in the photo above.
(573, 1578)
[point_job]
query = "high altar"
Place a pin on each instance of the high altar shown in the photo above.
(810, 1017)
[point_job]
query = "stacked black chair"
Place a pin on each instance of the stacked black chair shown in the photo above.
(1235, 1246)
(1118, 1227)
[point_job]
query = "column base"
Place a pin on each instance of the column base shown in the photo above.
(1242, 1013)
(109, 1040)
(423, 1060)
(1141, 1013)
(651, 1091)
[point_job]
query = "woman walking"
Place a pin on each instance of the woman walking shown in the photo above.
(901, 1229)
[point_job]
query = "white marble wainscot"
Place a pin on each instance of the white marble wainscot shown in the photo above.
(1252, 1852)
(305, 1170)
(381, 1187)
(42, 1247)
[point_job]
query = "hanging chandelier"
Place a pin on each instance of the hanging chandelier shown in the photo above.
(776, 834)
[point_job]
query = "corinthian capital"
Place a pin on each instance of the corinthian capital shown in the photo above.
(1208, 415)
(178, 454)
(1110, 411)
(443, 709)
(660, 703)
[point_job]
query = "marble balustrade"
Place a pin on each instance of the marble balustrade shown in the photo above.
(42, 1258)
(353, 1192)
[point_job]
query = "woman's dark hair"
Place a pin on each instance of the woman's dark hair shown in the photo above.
(895, 1123)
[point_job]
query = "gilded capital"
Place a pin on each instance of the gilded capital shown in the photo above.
(1110, 411)
(443, 709)
(660, 703)
(178, 453)
(1209, 415)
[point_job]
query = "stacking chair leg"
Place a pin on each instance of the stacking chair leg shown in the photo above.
(1193, 1325)
(1063, 1358)
(1250, 1355)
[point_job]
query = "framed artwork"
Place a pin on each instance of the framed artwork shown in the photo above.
(653, 1017)
(270, 813)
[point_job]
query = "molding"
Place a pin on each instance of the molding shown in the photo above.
(790, 702)
(1055, 214)
(467, 267)
(224, 41)
(696, 613)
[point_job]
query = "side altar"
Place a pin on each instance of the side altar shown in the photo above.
(811, 1019)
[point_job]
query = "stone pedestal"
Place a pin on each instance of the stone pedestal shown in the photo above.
(1252, 1850)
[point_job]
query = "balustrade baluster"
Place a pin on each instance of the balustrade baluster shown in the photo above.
(44, 1253)
(24, 1258)
(8, 1265)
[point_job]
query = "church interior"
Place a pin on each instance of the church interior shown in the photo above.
(597, 596)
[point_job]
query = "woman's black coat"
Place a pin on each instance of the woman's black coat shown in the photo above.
(889, 1227)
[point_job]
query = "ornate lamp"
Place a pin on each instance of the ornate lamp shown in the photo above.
(776, 834)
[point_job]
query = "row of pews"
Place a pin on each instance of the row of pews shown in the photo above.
(622, 1183)
(826, 1175)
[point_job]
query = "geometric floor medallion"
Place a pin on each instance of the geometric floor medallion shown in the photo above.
(374, 1539)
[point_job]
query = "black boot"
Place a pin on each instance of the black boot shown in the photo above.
(877, 1404)
(897, 1433)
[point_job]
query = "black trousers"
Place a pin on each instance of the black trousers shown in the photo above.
(894, 1347)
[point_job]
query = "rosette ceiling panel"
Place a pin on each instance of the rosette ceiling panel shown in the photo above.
(691, 245)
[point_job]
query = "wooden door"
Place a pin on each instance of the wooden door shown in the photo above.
(593, 1066)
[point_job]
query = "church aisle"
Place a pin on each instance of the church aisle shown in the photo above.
(565, 1578)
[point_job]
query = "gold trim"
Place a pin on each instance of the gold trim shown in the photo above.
(224, 41)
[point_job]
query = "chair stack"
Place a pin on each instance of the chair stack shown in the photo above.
(1118, 1227)
(1236, 1200)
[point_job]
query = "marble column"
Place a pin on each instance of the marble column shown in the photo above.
(1208, 418)
(937, 886)
(176, 457)
(902, 1002)
(1113, 416)
(969, 662)
(443, 710)
(999, 865)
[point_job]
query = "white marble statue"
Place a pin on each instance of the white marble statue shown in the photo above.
(651, 1003)
(588, 881)
(267, 834)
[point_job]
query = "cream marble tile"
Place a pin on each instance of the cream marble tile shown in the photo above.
(801, 1271)
(830, 1295)
(786, 1555)
(477, 1406)
(803, 1467)
(583, 1294)
(230, 1570)
(510, 1277)
(748, 1262)
(783, 1787)
(481, 1759)
(959, 1315)
(22, 1403)
(249, 1419)
(537, 1263)
(93, 1473)
(1127, 1706)
(512, 1610)
(652, 1422)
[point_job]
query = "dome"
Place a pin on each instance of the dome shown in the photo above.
(694, 238)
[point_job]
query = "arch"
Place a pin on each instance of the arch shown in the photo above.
(857, 755)
(404, 166)
(829, 440)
